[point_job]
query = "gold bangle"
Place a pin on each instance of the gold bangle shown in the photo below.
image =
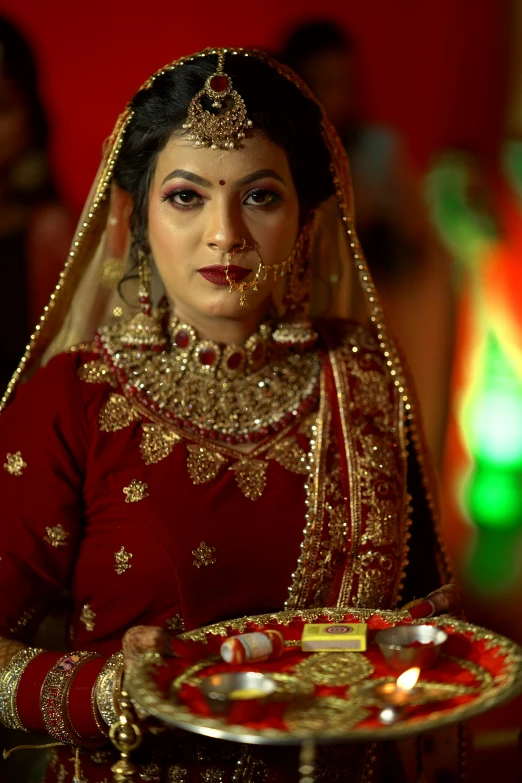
(10, 676)
(53, 697)
(108, 687)
(96, 712)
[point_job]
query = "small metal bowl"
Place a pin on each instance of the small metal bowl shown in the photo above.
(222, 691)
(395, 644)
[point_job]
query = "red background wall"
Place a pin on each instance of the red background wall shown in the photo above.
(434, 69)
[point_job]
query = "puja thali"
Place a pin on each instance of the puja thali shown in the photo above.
(327, 696)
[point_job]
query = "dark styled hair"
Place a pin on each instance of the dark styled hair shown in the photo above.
(276, 106)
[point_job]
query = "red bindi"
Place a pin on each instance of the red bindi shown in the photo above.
(221, 181)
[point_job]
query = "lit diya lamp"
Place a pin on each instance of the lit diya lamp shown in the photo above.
(397, 695)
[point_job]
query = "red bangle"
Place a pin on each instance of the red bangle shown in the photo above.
(28, 694)
(81, 710)
(55, 694)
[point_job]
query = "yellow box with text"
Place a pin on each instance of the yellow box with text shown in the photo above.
(334, 637)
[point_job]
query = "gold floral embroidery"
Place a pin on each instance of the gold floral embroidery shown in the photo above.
(157, 443)
(175, 624)
(200, 753)
(251, 477)
(203, 464)
(373, 587)
(87, 617)
(381, 524)
(332, 550)
(290, 455)
(122, 560)
(96, 371)
(117, 413)
(315, 486)
(204, 555)
(176, 774)
(136, 491)
(150, 772)
(26, 618)
(213, 776)
(100, 756)
(56, 536)
(326, 713)
(377, 450)
(333, 668)
(15, 463)
(307, 426)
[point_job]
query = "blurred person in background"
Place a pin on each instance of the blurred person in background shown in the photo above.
(35, 229)
(408, 263)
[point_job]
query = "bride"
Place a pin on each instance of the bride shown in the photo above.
(208, 434)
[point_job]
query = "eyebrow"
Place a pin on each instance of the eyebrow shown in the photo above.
(205, 183)
(259, 175)
(183, 174)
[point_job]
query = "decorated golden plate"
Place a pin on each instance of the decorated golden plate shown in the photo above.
(327, 696)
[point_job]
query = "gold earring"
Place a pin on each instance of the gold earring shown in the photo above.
(295, 328)
(144, 331)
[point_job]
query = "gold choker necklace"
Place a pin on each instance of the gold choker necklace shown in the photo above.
(235, 394)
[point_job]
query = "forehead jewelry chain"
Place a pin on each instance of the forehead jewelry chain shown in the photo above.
(225, 127)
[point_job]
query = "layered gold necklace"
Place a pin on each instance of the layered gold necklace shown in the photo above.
(235, 394)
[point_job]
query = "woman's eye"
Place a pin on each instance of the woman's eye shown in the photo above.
(183, 198)
(262, 198)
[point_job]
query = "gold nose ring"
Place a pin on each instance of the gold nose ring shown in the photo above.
(243, 287)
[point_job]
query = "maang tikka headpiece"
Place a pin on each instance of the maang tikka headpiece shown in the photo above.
(226, 128)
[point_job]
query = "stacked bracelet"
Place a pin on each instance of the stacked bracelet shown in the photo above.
(54, 693)
(10, 676)
(108, 687)
(82, 712)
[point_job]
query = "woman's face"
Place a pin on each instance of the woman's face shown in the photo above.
(203, 204)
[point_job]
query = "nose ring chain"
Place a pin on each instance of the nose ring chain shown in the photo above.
(243, 287)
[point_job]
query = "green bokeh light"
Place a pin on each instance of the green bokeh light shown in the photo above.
(492, 419)
(496, 426)
(494, 560)
(493, 497)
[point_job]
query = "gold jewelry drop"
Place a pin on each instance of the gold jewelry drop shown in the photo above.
(251, 285)
(227, 126)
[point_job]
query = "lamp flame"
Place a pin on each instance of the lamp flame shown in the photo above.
(408, 679)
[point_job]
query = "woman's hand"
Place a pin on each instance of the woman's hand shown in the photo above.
(447, 599)
(144, 638)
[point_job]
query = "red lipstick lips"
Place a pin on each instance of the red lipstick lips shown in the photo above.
(217, 274)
